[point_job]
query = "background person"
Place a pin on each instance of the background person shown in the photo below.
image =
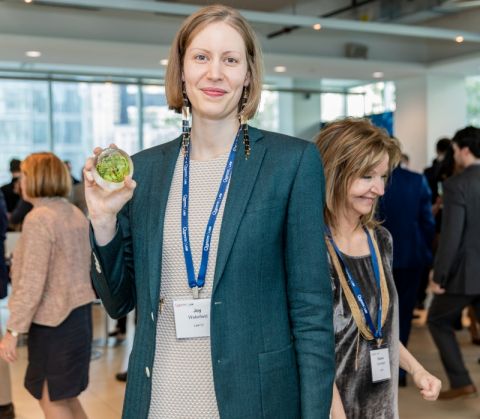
(457, 262)
(51, 291)
(6, 405)
(406, 212)
(11, 191)
(269, 348)
(357, 159)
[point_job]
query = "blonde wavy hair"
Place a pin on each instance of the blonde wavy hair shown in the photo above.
(350, 149)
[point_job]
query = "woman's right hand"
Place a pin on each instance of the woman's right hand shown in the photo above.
(103, 206)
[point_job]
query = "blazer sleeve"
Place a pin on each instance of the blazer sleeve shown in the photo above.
(453, 221)
(309, 287)
(112, 268)
(30, 277)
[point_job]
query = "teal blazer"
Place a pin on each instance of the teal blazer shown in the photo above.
(271, 315)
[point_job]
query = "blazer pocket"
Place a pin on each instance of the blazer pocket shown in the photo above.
(279, 384)
(265, 207)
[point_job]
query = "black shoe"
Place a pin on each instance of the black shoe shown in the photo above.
(121, 376)
(402, 381)
(7, 411)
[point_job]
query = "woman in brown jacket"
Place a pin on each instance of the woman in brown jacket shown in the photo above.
(51, 290)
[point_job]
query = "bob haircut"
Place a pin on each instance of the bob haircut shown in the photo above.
(46, 176)
(189, 29)
(350, 149)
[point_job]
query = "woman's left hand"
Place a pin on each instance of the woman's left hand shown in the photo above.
(428, 384)
(8, 348)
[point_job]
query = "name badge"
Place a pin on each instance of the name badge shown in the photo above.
(192, 318)
(380, 362)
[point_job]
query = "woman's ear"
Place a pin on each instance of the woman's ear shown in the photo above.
(246, 83)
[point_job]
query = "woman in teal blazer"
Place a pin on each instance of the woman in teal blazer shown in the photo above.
(271, 337)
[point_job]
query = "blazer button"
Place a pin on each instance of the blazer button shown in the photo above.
(147, 372)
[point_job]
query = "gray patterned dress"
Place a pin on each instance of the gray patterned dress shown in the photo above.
(360, 397)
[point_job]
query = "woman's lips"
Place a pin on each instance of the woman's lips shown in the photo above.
(367, 199)
(213, 92)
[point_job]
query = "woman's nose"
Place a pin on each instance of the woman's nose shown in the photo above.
(214, 70)
(378, 186)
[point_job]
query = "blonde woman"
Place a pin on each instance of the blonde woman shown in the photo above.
(51, 291)
(358, 158)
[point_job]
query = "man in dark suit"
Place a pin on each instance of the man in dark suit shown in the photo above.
(11, 190)
(407, 211)
(432, 173)
(456, 280)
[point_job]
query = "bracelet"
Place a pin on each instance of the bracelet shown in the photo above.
(14, 333)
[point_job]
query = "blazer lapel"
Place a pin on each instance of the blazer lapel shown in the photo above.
(161, 180)
(241, 185)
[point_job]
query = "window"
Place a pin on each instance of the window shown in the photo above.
(160, 124)
(23, 121)
(93, 114)
(473, 100)
(332, 106)
(377, 98)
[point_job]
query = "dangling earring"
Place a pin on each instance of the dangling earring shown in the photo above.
(244, 123)
(185, 120)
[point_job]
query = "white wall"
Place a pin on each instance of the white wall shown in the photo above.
(306, 109)
(410, 119)
(447, 108)
(428, 107)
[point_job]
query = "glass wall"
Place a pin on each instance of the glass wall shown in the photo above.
(375, 98)
(159, 123)
(24, 123)
(86, 115)
(473, 100)
(71, 117)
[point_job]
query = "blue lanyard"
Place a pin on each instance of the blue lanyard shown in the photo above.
(376, 332)
(196, 284)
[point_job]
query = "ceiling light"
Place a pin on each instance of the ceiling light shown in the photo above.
(459, 39)
(164, 61)
(33, 54)
(377, 74)
(280, 69)
(28, 1)
(317, 26)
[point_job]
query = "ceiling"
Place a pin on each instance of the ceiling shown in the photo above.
(403, 38)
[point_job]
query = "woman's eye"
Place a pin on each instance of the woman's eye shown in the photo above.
(200, 57)
(231, 60)
(367, 177)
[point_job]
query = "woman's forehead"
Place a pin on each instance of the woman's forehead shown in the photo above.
(218, 36)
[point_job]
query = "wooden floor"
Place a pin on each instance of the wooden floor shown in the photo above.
(104, 397)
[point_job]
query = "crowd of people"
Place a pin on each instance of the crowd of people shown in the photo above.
(266, 280)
